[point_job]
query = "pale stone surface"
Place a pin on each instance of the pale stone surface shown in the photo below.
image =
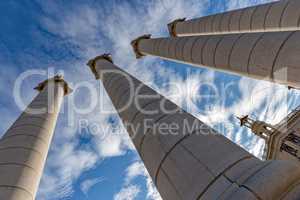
(166, 188)
(224, 50)
(258, 18)
(189, 175)
(187, 56)
(216, 159)
(197, 49)
(216, 23)
(218, 187)
(225, 22)
(235, 21)
(264, 54)
(26, 141)
(198, 163)
(14, 194)
(19, 176)
(24, 147)
(286, 69)
(274, 16)
(246, 19)
(241, 193)
(244, 169)
(241, 52)
(273, 180)
(290, 17)
(209, 51)
(22, 156)
(179, 48)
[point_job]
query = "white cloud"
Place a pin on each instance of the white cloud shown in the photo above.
(235, 4)
(64, 166)
(133, 171)
(128, 193)
(86, 185)
(137, 169)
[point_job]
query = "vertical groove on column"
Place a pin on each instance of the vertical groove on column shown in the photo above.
(193, 46)
(121, 95)
(214, 56)
(220, 23)
(174, 186)
(176, 48)
(241, 16)
(229, 21)
(213, 22)
(283, 12)
(167, 154)
(221, 174)
(144, 106)
(267, 13)
(204, 45)
(168, 48)
(159, 46)
(252, 49)
(182, 50)
(195, 157)
(144, 136)
(231, 50)
(277, 54)
(298, 22)
(251, 18)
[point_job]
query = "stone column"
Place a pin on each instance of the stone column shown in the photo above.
(272, 56)
(24, 147)
(187, 159)
(276, 16)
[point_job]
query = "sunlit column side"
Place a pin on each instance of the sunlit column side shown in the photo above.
(24, 147)
(276, 16)
(272, 56)
(186, 158)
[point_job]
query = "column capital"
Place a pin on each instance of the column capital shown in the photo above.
(92, 63)
(135, 44)
(172, 26)
(55, 79)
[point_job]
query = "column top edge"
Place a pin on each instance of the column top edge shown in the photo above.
(172, 26)
(135, 44)
(92, 63)
(55, 79)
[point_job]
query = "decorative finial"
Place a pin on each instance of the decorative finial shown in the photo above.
(135, 44)
(172, 26)
(92, 63)
(56, 79)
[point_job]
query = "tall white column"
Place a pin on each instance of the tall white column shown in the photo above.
(187, 159)
(271, 56)
(276, 16)
(24, 147)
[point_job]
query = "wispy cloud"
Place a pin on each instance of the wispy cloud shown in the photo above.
(86, 185)
(128, 193)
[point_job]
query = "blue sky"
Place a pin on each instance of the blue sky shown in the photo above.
(60, 36)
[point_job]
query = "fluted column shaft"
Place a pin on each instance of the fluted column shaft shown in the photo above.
(24, 147)
(272, 56)
(276, 16)
(187, 159)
